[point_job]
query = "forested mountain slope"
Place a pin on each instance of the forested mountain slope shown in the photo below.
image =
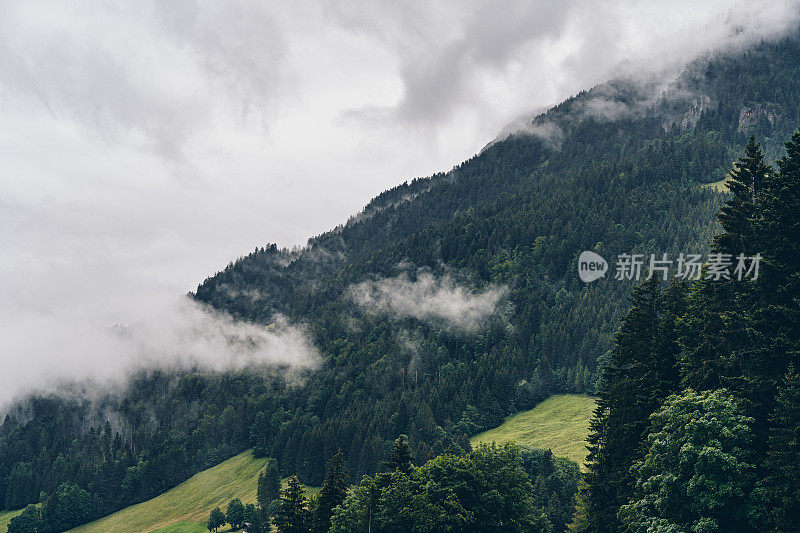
(447, 304)
(614, 169)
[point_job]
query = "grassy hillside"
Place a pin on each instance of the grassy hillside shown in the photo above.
(184, 508)
(560, 423)
(185, 527)
(719, 186)
(5, 518)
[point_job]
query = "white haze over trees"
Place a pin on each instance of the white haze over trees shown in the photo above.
(182, 335)
(428, 298)
(143, 145)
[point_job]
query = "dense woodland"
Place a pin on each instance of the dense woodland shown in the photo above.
(488, 489)
(698, 420)
(513, 217)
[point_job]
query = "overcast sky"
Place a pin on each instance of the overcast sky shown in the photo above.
(144, 145)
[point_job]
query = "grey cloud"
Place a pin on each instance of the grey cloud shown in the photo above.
(147, 73)
(145, 145)
(240, 42)
(442, 68)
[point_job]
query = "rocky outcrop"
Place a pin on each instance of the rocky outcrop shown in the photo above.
(751, 115)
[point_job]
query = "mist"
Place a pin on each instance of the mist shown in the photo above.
(428, 298)
(145, 146)
(61, 356)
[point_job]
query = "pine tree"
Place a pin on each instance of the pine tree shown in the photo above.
(292, 515)
(400, 457)
(640, 374)
(773, 318)
(715, 335)
(738, 215)
(332, 493)
(269, 484)
(704, 336)
(780, 490)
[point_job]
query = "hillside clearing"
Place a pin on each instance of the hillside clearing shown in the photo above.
(560, 423)
(185, 508)
(5, 518)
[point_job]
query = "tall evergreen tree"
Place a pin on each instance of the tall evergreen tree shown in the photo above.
(737, 217)
(640, 374)
(332, 493)
(269, 484)
(779, 492)
(400, 457)
(292, 515)
(773, 315)
(715, 334)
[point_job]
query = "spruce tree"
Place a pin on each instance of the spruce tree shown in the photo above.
(292, 515)
(332, 493)
(773, 319)
(640, 374)
(704, 338)
(737, 216)
(400, 457)
(269, 484)
(715, 333)
(779, 492)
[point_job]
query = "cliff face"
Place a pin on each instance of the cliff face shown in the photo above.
(750, 116)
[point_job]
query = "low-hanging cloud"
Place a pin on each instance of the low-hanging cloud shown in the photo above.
(58, 355)
(144, 145)
(427, 298)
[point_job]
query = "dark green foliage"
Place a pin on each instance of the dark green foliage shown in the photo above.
(269, 484)
(774, 316)
(332, 493)
(715, 339)
(216, 519)
(718, 460)
(739, 213)
(234, 515)
(698, 469)
(642, 371)
(159, 439)
(67, 507)
(28, 521)
(487, 489)
(256, 519)
(292, 515)
(778, 495)
(400, 457)
(555, 485)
